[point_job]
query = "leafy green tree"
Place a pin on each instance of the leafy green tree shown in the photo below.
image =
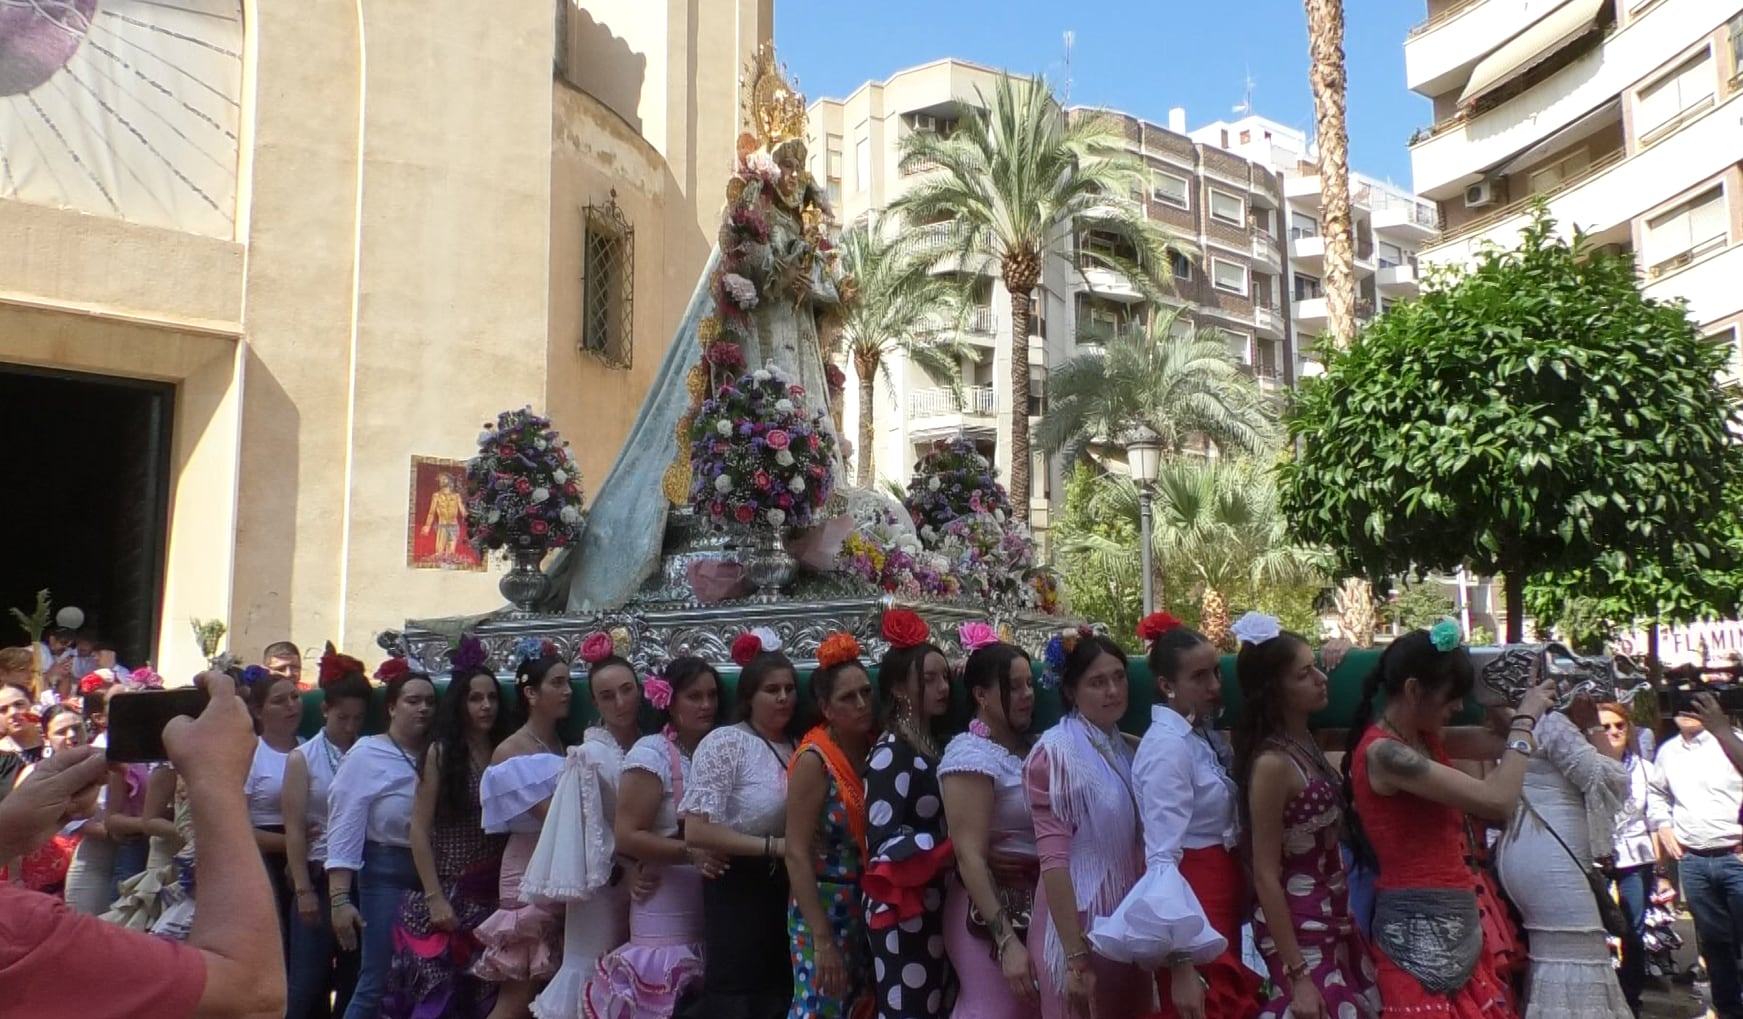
(1015, 181)
(900, 306)
(1421, 605)
(1532, 414)
(1100, 571)
(1180, 385)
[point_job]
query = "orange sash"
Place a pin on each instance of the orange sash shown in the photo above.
(846, 779)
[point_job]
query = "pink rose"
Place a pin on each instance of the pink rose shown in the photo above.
(778, 439)
(596, 648)
(762, 479)
(744, 514)
(976, 635)
(658, 692)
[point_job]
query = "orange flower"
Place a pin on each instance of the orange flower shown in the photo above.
(837, 648)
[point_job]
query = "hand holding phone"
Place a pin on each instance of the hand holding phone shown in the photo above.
(137, 720)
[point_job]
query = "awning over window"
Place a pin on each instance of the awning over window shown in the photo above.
(1531, 47)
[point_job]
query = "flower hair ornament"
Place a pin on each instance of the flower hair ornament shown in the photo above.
(1156, 624)
(333, 665)
(531, 649)
(392, 669)
(837, 648)
(468, 654)
(1058, 649)
(904, 628)
(975, 635)
(253, 676)
(658, 691)
(142, 678)
(758, 641)
(1256, 628)
(596, 647)
(1446, 636)
(98, 680)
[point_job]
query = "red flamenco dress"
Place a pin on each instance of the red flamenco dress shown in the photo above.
(1421, 845)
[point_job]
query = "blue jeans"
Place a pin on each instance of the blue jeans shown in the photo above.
(1713, 888)
(130, 857)
(1633, 890)
(387, 875)
(319, 977)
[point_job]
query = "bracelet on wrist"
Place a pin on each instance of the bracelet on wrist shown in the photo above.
(1296, 972)
(1179, 959)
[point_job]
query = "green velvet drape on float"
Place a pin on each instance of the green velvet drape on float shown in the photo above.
(1346, 692)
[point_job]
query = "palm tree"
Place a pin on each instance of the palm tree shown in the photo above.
(1325, 43)
(1016, 180)
(901, 306)
(1181, 384)
(1219, 520)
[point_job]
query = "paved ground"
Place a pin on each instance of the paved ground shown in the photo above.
(1680, 998)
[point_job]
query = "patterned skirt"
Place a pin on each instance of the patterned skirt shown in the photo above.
(841, 903)
(429, 975)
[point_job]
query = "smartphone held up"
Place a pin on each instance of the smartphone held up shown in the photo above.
(137, 721)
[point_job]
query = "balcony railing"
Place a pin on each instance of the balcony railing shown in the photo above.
(1676, 262)
(1265, 249)
(983, 321)
(1444, 16)
(1420, 213)
(1512, 209)
(943, 400)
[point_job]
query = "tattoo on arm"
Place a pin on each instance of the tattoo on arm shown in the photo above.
(1399, 760)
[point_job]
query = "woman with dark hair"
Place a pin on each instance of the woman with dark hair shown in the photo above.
(645, 978)
(826, 840)
(1078, 780)
(911, 855)
(1406, 808)
(278, 710)
(1292, 801)
(1644, 810)
(590, 884)
(369, 821)
(1182, 920)
(316, 971)
(990, 901)
(736, 806)
(457, 862)
(522, 940)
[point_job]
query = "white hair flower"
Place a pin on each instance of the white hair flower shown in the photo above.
(771, 641)
(1256, 628)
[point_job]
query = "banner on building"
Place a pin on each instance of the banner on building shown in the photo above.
(1693, 644)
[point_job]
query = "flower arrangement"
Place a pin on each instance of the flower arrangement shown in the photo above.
(143, 678)
(658, 692)
(892, 561)
(523, 491)
(758, 457)
(468, 653)
(1256, 628)
(951, 481)
(392, 669)
(1446, 635)
(531, 649)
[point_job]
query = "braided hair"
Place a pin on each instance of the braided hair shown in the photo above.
(1412, 656)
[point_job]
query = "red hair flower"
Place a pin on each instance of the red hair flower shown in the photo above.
(597, 647)
(836, 649)
(745, 647)
(904, 628)
(334, 665)
(388, 671)
(95, 681)
(1155, 625)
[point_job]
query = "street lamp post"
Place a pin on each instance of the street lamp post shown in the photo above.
(1144, 457)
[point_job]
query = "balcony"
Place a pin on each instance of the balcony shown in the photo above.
(1614, 190)
(1304, 188)
(1396, 278)
(1310, 317)
(983, 321)
(1459, 151)
(1440, 52)
(936, 412)
(1307, 252)
(1405, 217)
(1093, 277)
(1265, 250)
(1268, 320)
(1709, 284)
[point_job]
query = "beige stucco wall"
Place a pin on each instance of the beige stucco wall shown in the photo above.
(406, 267)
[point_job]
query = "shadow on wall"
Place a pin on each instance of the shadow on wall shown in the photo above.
(601, 64)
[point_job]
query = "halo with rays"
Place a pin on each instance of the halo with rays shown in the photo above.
(123, 108)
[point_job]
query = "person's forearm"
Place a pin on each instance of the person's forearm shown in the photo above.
(718, 838)
(977, 880)
(268, 841)
(1268, 889)
(338, 882)
(1062, 910)
(244, 926)
(647, 847)
(424, 859)
(1504, 785)
(296, 851)
(802, 875)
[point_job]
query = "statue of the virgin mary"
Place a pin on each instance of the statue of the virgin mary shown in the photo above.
(769, 294)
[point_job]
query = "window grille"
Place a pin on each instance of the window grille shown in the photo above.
(607, 284)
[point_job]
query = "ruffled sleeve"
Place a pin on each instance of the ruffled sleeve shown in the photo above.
(904, 833)
(714, 772)
(1161, 915)
(573, 857)
(511, 788)
(649, 755)
(969, 754)
(1601, 780)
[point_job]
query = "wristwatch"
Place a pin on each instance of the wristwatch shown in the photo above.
(1522, 745)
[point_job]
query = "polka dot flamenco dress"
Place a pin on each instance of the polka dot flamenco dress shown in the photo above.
(904, 882)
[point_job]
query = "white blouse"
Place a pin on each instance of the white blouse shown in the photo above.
(739, 780)
(510, 790)
(322, 759)
(1011, 829)
(1644, 812)
(653, 754)
(265, 785)
(370, 801)
(1187, 799)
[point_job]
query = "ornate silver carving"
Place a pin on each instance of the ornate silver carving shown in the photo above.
(1504, 674)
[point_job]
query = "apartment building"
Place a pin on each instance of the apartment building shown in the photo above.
(1626, 115)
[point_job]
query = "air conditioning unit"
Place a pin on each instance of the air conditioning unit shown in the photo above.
(925, 122)
(1480, 194)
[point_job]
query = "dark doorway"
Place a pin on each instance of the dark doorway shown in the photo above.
(88, 460)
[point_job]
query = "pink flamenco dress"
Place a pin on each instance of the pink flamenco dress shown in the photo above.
(645, 978)
(522, 940)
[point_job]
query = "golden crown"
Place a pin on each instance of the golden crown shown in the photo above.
(776, 108)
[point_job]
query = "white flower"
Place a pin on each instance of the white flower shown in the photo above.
(932, 483)
(495, 516)
(907, 544)
(723, 484)
(559, 477)
(541, 494)
(541, 444)
(784, 406)
(761, 375)
(770, 640)
(724, 427)
(999, 515)
(742, 291)
(776, 517)
(571, 515)
(485, 437)
(797, 485)
(1256, 628)
(928, 532)
(784, 458)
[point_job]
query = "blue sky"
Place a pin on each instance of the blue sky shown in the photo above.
(1140, 56)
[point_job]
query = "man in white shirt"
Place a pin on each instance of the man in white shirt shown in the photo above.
(1706, 794)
